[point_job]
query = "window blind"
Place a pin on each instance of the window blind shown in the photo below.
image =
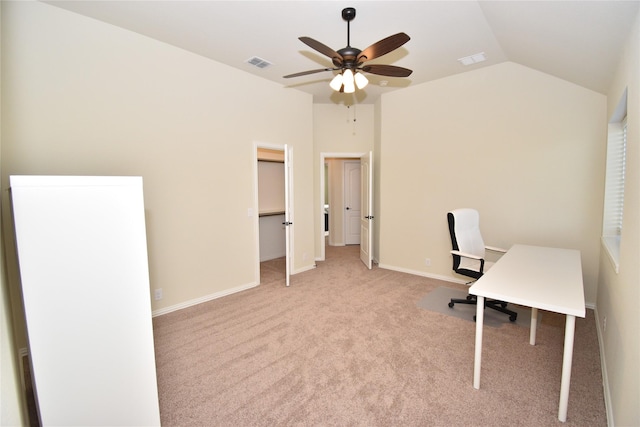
(614, 187)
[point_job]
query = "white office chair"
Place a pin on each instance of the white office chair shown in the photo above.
(469, 255)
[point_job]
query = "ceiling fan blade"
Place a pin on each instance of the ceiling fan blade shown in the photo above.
(304, 73)
(383, 47)
(387, 70)
(323, 49)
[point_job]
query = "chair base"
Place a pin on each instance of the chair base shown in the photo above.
(500, 306)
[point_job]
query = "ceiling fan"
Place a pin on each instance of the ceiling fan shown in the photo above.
(350, 60)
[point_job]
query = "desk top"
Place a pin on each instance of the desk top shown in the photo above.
(533, 276)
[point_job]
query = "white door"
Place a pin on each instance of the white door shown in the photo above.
(366, 219)
(288, 211)
(352, 202)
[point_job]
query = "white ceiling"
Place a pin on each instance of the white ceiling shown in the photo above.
(579, 41)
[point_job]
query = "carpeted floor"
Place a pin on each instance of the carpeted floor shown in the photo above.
(347, 346)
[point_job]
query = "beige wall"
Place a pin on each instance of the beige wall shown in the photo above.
(619, 294)
(82, 97)
(524, 148)
(336, 132)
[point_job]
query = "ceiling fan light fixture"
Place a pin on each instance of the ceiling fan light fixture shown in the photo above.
(361, 80)
(348, 82)
(336, 83)
(348, 76)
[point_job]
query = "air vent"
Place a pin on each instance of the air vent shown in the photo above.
(259, 62)
(473, 59)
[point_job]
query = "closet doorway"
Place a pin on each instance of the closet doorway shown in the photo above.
(274, 219)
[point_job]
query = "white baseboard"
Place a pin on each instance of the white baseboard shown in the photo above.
(422, 273)
(200, 300)
(303, 269)
(603, 369)
(216, 295)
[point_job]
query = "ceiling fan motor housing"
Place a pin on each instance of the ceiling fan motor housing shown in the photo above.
(349, 57)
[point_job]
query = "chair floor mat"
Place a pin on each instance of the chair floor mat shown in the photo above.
(438, 300)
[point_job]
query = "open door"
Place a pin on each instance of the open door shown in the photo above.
(366, 220)
(288, 212)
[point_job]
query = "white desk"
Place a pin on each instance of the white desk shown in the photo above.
(540, 278)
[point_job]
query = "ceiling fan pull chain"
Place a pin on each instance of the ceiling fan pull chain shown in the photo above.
(354, 119)
(348, 113)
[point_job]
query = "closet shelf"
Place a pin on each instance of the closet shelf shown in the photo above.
(271, 212)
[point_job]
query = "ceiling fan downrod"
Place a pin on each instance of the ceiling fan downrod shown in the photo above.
(348, 13)
(349, 54)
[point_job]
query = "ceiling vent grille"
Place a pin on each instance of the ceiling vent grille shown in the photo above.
(258, 62)
(473, 59)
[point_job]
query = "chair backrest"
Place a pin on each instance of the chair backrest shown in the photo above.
(464, 229)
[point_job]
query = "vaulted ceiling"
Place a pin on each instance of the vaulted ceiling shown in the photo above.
(578, 41)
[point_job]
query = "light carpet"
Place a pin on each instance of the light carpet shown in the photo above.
(348, 346)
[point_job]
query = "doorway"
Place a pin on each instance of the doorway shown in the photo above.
(332, 201)
(273, 212)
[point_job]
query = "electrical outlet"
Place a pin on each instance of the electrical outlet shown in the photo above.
(157, 294)
(427, 262)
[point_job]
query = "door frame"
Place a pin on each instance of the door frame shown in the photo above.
(367, 207)
(323, 157)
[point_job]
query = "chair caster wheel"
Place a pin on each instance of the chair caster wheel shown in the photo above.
(450, 305)
(469, 297)
(513, 318)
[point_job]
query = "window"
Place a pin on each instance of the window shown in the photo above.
(614, 184)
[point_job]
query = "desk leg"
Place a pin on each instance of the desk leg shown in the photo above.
(534, 325)
(478, 355)
(569, 332)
